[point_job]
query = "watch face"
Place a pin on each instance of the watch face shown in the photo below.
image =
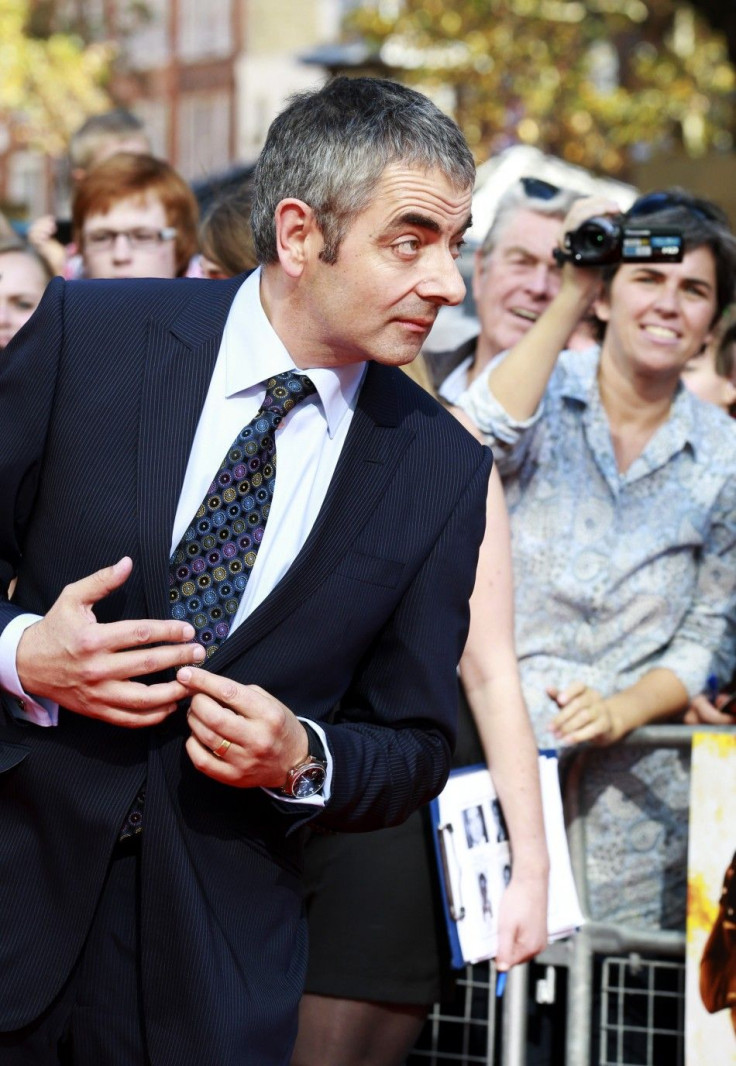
(308, 781)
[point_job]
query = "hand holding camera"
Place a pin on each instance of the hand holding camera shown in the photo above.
(608, 237)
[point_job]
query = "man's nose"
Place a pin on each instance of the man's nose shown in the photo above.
(444, 283)
(121, 247)
(539, 279)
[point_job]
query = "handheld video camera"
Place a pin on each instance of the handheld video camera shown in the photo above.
(601, 240)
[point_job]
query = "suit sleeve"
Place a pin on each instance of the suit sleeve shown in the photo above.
(28, 371)
(383, 774)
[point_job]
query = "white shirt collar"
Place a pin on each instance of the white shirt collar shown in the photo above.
(254, 352)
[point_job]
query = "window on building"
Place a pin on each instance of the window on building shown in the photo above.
(205, 30)
(204, 134)
(148, 45)
(27, 182)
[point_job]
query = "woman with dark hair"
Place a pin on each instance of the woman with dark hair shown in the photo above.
(621, 488)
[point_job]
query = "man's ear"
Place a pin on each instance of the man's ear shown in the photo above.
(297, 235)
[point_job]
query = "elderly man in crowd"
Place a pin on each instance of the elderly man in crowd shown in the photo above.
(514, 279)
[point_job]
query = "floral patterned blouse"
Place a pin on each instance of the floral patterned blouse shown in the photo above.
(616, 574)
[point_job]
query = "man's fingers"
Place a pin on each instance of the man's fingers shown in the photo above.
(242, 699)
(135, 705)
(210, 726)
(140, 698)
(136, 633)
(121, 665)
(88, 590)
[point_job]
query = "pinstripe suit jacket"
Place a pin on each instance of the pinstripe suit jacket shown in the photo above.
(99, 401)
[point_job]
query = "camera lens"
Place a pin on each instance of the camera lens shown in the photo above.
(596, 242)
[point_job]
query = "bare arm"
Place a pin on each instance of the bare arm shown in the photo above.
(520, 379)
(490, 676)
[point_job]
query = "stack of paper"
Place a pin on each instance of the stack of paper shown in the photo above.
(475, 860)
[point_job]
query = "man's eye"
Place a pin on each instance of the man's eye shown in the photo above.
(407, 246)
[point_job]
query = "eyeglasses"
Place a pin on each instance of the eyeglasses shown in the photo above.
(539, 189)
(140, 239)
(652, 202)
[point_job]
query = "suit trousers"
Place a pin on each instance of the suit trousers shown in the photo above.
(97, 1018)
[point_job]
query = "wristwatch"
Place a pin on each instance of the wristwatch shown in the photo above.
(308, 777)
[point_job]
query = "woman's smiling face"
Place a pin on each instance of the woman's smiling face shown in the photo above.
(658, 316)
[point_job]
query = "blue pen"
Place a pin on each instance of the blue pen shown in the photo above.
(711, 687)
(501, 983)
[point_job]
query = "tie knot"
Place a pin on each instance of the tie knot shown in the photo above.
(284, 391)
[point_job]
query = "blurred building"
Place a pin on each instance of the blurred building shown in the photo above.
(206, 77)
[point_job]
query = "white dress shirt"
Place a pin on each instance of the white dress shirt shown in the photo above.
(308, 441)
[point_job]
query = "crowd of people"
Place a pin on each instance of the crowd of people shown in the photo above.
(605, 586)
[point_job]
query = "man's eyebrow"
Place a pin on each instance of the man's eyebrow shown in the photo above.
(416, 218)
(520, 249)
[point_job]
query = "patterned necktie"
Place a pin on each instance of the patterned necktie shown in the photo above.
(210, 567)
(214, 559)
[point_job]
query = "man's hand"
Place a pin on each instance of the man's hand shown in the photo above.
(266, 739)
(585, 715)
(71, 658)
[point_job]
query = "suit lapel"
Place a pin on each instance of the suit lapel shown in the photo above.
(373, 447)
(181, 358)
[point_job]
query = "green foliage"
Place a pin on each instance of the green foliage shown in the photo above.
(49, 81)
(596, 82)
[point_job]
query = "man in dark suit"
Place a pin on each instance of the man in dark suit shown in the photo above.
(182, 696)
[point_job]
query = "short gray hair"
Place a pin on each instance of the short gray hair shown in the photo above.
(520, 197)
(330, 147)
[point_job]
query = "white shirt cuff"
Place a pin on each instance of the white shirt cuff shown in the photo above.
(320, 798)
(34, 709)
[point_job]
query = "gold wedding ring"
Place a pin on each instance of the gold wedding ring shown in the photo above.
(221, 750)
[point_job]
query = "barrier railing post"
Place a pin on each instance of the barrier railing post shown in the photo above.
(513, 1029)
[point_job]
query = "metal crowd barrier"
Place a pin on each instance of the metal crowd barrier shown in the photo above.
(625, 961)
